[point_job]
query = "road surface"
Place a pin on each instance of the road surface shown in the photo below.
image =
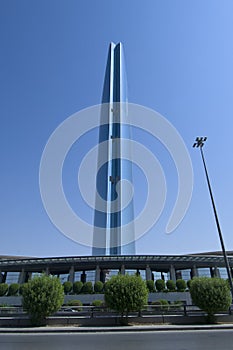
(159, 340)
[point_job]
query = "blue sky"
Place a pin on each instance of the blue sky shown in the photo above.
(179, 56)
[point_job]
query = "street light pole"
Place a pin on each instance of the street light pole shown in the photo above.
(199, 144)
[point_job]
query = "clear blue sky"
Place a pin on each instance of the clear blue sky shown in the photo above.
(179, 58)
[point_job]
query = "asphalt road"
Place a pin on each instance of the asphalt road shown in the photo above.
(163, 340)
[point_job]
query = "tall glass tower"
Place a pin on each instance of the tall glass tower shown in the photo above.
(110, 239)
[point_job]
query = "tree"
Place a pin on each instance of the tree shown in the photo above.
(211, 295)
(125, 293)
(67, 287)
(3, 289)
(180, 285)
(87, 288)
(171, 286)
(189, 283)
(13, 289)
(41, 297)
(160, 285)
(98, 287)
(150, 286)
(77, 287)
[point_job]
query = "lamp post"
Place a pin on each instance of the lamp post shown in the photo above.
(199, 143)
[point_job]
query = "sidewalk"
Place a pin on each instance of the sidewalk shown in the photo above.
(132, 328)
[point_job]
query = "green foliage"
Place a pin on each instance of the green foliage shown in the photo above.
(74, 302)
(160, 285)
(87, 288)
(171, 286)
(3, 289)
(41, 297)
(77, 287)
(189, 284)
(97, 303)
(13, 289)
(211, 295)
(21, 288)
(180, 285)
(150, 286)
(125, 293)
(98, 287)
(164, 304)
(161, 304)
(67, 287)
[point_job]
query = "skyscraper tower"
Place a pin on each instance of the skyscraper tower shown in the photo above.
(109, 240)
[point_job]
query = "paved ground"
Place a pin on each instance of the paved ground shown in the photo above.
(195, 339)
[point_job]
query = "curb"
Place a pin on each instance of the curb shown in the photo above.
(152, 328)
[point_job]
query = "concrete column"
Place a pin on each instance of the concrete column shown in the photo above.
(22, 277)
(194, 271)
(123, 270)
(47, 271)
(83, 277)
(1, 276)
(97, 274)
(172, 273)
(148, 273)
(102, 275)
(71, 275)
(216, 272)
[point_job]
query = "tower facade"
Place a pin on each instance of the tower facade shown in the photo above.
(109, 232)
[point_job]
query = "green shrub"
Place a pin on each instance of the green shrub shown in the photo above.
(177, 305)
(160, 285)
(74, 302)
(125, 293)
(164, 304)
(171, 286)
(161, 305)
(98, 287)
(211, 295)
(41, 297)
(189, 283)
(67, 287)
(180, 285)
(3, 289)
(13, 289)
(97, 303)
(77, 287)
(21, 287)
(150, 286)
(87, 288)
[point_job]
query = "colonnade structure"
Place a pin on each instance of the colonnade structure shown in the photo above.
(101, 268)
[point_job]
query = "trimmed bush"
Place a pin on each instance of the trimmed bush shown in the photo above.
(211, 295)
(160, 285)
(189, 283)
(97, 303)
(74, 302)
(13, 289)
(164, 304)
(125, 293)
(41, 297)
(3, 289)
(98, 287)
(77, 287)
(21, 287)
(171, 286)
(67, 287)
(181, 285)
(150, 286)
(87, 288)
